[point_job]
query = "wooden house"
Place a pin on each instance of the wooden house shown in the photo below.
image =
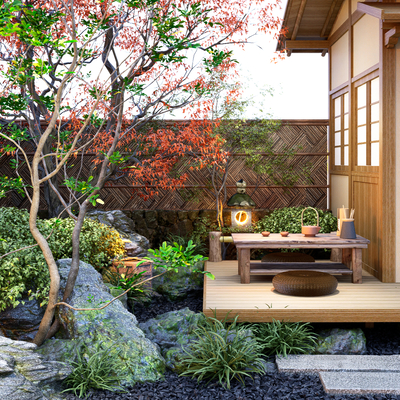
(361, 41)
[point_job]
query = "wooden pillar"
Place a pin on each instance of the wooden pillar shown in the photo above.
(215, 247)
(357, 265)
(336, 255)
(387, 168)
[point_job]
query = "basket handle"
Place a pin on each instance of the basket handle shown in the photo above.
(302, 213)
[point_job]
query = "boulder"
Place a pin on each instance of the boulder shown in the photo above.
(138, 245)
(173, 331)
(25, 375)
(176, 285)
(21, 322)
(341, 341)
(139, 359)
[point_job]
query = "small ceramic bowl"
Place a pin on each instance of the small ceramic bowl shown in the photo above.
(284, 234)
(265, 234)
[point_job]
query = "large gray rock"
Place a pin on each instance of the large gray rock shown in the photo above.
(139, 359)
(176, 285)
(21, 322)
(173, 331)
(25, 375)
(138, 245)
(341, 341)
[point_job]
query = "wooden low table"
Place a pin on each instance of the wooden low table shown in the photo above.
(351, 253)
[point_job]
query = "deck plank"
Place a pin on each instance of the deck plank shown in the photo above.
(371, 301)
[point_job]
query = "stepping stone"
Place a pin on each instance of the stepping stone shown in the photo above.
(317, 363)
(360, 382)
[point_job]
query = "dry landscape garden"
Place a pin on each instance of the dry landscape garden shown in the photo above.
(126, 233)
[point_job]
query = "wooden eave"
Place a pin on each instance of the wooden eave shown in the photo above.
(308, 24)
(389, 13)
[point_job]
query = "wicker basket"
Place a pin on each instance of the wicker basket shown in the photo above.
(305, 283)
(287, 257)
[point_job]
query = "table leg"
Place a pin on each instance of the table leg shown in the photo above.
(238, 257)
(357, 265)
(244, 265)
(346, 258)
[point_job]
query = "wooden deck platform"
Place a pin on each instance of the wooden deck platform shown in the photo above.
(371, 301)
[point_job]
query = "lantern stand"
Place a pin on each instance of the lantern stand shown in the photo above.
(241, 205)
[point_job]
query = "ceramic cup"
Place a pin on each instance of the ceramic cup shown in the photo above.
(348, 230)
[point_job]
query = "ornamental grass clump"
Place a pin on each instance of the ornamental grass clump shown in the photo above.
(93, 370)
(283, 338)
(223, 352)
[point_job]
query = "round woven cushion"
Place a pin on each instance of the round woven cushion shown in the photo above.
(305, 283)
(287, 257)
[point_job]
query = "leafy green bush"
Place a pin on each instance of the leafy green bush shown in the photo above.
(93, 370)
(26, 272)
(289, 219)
(224, 352)
(283, 338)
(175, 256)
(98, 243)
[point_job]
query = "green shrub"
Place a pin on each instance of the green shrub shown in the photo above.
(283, 338)
(26, 272)
(98, 243)
(289, 219)
(93, 370)
(223, 352)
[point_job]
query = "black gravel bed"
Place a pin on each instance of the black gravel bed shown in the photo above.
(160, 305)
(382, 339)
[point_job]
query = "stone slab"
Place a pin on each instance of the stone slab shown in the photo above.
(317, 363)
(360, 382)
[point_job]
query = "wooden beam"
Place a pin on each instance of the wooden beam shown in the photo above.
(328, 18)
(389, 12)
(307, 44)
(392, 36)
(298, 19)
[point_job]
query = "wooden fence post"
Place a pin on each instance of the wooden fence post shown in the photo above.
(215, 247)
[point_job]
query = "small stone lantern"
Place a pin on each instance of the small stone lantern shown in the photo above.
(241, 204)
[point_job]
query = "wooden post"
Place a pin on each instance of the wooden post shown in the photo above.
(215, 247)
(244, 265)
(336, 255)
(357, 265)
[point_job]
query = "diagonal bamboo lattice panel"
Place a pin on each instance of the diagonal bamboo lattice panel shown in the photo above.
(311, 190)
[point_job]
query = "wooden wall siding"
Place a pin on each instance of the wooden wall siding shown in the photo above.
(311, 135)
(367, 222)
